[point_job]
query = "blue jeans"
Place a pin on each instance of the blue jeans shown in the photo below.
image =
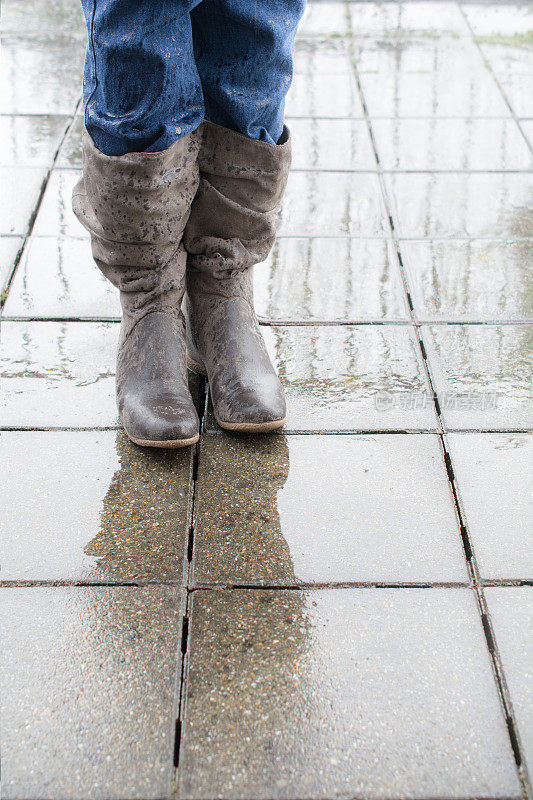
(155, 69)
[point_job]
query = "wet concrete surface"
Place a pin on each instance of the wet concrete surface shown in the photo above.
(88, 691)
(329, 579)
(255, 525)
(499, 520)
(330, 693)
(122, 514)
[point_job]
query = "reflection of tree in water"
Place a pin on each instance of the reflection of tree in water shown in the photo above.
(144, 515)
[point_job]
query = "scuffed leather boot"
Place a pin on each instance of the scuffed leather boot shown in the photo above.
(231, 228)
(136, 207)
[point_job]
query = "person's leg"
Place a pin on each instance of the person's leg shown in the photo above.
(141, 89)
(244, 164)
(135, 204)
(244, 52)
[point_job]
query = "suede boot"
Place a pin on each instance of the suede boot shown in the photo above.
(231, 228)
(136, 207)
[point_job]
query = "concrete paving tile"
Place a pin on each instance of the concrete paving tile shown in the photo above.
(30, 141)
(511, 611)
(48, 16)
(58, 374)
(332, 144)
(69, 156)
(21, 187)
(56, 217)
(330, 279)
(303, 694)
(482, 374)
(9, 248)
(400, 19)
(58, 278)
(425, 94)
(89, 691)
(392, 56)
(254, 524)
(513, 67)
(494, 475)
(462, 205)
(527, 127)
(324, 19)
(470, 279)
(90, 506)
(323, 95)
(44, 57)
(499, 19)
(332, 204)
(451, 144)
(356, 377)
(324, 56)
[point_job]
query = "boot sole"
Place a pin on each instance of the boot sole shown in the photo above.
(171, 444)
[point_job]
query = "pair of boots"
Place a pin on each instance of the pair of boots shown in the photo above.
(178, 233)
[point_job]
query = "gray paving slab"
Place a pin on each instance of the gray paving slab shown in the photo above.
(324, 19)
(45, 58)
(470, 279)
(90, 506)
(55, 217)
(360, 377)
(70, 154)
(512, 63)
(322, 56)
(324, 95)
(60, 374)
(462, 205)
(273, 511)
(21, 187)
(336, 144)
(58, 278)
(451, 144)
(349, 204)
(494, 476)
(9, 248)
(89, 691)
(345, 693)
(499, 19)
(482, 374)
(30, 140)
(47, 16)
(424, 94)
(511, 611)
(424, 52)
(406, 19)
(330, 279)
(527, 127)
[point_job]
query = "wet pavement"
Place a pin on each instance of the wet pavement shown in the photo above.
(341, 610)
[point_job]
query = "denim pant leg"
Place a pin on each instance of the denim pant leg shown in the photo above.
(244, 55)
(141, 88)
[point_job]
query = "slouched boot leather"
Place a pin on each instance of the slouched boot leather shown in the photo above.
(231, 228)
(136, 207)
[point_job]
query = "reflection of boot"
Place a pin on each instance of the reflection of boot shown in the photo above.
(135, 207)
(230, 229)
(141, 535)
(238, 486)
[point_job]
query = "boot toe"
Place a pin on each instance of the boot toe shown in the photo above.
(257, 407)
(160, 420)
